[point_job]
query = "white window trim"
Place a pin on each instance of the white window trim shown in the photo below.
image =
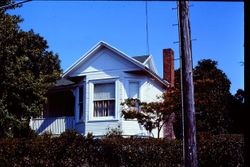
(91, 100)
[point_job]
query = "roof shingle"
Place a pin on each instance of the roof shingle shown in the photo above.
(141, 59)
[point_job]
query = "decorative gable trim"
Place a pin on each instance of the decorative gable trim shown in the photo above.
(151, 72)
(151, 62)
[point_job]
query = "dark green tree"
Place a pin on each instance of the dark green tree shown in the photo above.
(236, 111)
(27, 70)
(176, 99)
(212, 95)
(212, 99)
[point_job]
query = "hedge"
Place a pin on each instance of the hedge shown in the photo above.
(221, 150)
(72, 149)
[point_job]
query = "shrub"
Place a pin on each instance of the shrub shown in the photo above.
(221, 150)
(23, 130)
(71, 149)
(114, 132)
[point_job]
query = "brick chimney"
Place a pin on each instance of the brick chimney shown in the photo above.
(168, 66)
(168, 75)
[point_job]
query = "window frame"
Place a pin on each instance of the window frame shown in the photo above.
(91, 100)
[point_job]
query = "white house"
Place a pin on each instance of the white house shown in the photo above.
(88, 96)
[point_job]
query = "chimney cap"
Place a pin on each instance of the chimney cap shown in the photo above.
(168, 50)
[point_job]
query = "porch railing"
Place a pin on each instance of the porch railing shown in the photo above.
(54, 125)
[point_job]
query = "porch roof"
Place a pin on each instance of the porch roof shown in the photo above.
(64, 82)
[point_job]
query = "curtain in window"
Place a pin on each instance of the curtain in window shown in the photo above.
(104, 100)
(104, 91)
(104, 108)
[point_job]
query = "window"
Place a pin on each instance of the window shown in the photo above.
(104, 100)
(134, 94)
(133, 90)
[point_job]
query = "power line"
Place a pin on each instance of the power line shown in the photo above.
(13, 4)
(147, 34)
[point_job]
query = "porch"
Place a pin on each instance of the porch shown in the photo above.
(59, 112)
(53, 125)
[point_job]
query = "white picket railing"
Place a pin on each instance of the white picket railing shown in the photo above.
(54, 125)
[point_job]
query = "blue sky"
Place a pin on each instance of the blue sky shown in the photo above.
(72, 28)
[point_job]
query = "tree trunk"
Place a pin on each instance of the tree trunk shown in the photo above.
(169, 127)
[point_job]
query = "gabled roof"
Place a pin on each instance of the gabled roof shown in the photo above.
(134, 61)
(141, 59)
(147, 60)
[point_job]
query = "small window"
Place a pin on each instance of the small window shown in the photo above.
(104, 100)
(133, 90)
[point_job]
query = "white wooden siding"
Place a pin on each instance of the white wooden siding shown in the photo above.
(54, 125)
(99, 128)
(131, 127)
(150, 91)
(80, 127)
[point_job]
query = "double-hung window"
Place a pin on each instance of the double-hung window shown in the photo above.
(104, 99)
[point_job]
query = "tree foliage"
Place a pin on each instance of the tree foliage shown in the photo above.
(212, 93)
(236, 111)
(152, 115)
(27, 70)
(212, 98)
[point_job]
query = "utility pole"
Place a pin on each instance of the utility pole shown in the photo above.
(246, 78)
(190, 159)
